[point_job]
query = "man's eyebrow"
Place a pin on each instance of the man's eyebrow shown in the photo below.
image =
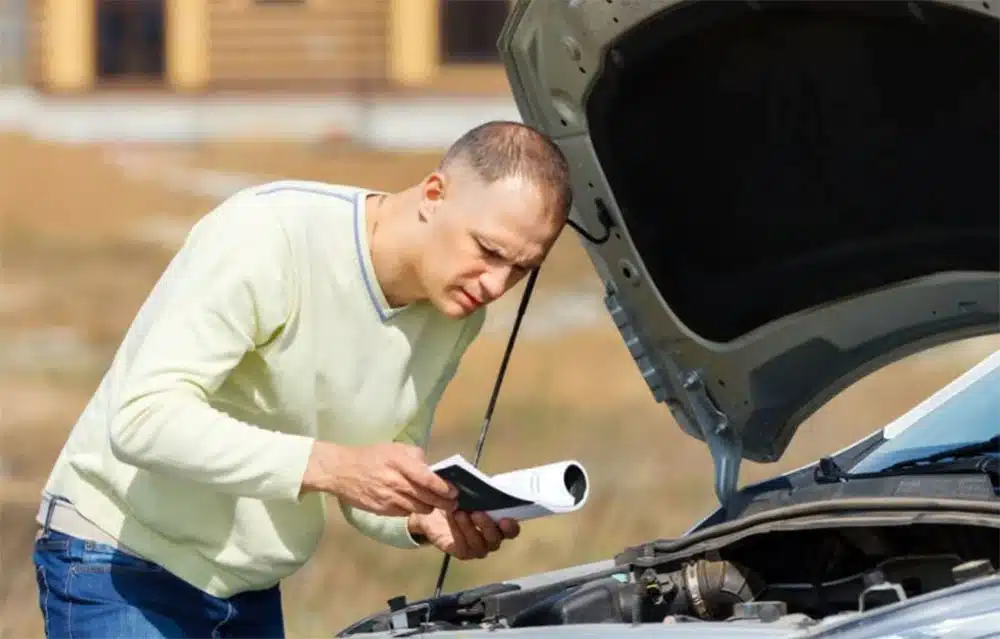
(529, 264)
(502, 252)
(490, 245)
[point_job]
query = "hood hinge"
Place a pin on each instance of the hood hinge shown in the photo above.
(688, 398)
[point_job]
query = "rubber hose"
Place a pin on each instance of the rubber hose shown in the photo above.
(713, 587)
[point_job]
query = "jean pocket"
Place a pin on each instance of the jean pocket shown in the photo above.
(97, 557)
(121, 581)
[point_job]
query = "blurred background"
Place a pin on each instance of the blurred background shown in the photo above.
(123, 121)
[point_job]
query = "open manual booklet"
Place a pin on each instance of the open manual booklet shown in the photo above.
(527, 493)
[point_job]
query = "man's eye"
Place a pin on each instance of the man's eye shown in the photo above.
(492, 253)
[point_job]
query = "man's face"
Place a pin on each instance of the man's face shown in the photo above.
(481, 239)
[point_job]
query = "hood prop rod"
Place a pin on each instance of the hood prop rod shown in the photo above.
(488, 418)
(604, 217)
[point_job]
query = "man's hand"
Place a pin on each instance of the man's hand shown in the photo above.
(463, 535)
(387, 479)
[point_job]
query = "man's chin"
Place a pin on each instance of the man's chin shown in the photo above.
(457, 312)
(454, 309)
(449, 308)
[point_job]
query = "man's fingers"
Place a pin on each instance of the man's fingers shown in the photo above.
(433, 499)
(376, 499)
(510, 528)
(396, 504)
(415, 506)
(489, 529)
(473, 538)
(419, 501)
(460, 549)
(428, 483)
(447, 504)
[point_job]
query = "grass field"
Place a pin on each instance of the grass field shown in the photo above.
(87, 231)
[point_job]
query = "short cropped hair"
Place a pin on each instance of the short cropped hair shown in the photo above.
(501, 149)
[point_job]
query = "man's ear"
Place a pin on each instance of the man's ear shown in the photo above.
(433, 192)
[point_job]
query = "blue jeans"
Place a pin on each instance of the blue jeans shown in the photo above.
(87, 589)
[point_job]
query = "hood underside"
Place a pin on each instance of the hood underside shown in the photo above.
(782, 196)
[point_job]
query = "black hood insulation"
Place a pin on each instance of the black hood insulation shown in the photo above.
(803, 151)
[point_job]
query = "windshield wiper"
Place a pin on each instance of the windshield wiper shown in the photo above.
(975, 449)
(958, 459)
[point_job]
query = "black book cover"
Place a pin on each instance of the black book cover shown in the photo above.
(475, 494)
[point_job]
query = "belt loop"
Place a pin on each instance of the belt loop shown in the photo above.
(53, 501)
(49, 507)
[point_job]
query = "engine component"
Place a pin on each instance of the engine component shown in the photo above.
(712, 588)
(972, 570)
(786, 578)
(603, 600)
(879, 591)
(765, 611)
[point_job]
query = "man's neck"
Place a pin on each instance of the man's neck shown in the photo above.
(391, 257)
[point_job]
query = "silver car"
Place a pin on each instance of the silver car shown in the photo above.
(780, 198)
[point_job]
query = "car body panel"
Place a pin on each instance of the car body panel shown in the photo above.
(934, 614)
(743, 358)
(742, 355)
(978, 379)
(968, 610)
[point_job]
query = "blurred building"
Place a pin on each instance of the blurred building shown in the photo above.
(194, 46)
(13, 27)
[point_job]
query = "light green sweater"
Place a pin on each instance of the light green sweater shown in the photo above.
(267, 330)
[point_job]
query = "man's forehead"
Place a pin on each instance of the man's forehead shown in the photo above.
(517, 200)
(520, 210)
(519, 237)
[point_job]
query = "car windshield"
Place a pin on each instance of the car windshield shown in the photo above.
(963, 412)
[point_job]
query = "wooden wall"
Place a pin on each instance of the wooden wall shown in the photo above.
(314, 43)
(261, 45)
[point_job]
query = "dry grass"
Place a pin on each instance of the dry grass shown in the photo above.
(73, 275)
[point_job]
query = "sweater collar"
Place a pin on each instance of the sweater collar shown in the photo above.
(382, 307)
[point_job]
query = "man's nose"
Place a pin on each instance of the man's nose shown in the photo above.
(494, 281)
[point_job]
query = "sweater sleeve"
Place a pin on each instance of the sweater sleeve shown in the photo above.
(228, 291)
(393, 530)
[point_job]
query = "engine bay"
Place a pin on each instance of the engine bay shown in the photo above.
(801, 576)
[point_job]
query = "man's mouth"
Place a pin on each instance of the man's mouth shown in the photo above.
(467, 300)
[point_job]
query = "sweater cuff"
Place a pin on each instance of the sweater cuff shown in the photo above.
(408, 539)
(295, 451)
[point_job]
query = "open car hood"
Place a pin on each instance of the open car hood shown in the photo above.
(781, 197)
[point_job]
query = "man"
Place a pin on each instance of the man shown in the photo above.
(295, 347)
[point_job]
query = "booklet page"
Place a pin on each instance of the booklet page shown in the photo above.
(521, 494)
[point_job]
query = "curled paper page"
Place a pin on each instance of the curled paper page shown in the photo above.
(522, 494)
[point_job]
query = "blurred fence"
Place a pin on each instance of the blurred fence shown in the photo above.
(13, 41)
